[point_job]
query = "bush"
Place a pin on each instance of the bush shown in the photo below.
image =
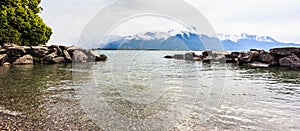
(20, 23)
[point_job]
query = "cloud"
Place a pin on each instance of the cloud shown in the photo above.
(279, 19)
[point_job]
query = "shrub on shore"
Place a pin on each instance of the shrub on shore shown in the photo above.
(20, 23)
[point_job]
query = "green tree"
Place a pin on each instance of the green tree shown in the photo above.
(20, 23)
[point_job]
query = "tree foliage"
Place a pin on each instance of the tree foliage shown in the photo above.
(20, 23)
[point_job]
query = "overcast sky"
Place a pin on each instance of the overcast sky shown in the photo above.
(279, 19)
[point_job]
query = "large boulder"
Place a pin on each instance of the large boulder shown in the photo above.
(16, 51)
(56, 48)
(292, 62)
(38, 51)
(50, 57)
(71, 49)
(102, 58)
(26, 59)
(58, 60)
(3, 58)
(250, 57)
(285, 51)
(207, 53)
(178, 56)
(189, 56)
(265, 57)
(79, 57)
(93, 56)
(67, 56)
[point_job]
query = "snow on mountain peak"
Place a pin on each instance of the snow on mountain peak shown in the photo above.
(245, 36)
(149, 36)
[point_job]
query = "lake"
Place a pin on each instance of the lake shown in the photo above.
(140, 90)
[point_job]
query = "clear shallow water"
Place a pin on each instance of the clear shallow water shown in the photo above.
(141, 90)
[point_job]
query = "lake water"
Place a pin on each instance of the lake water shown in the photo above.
(140, 90)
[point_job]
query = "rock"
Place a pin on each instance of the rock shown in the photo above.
(178, 56)
(197, 59)
(93, 56)
(26, 59)
(256, 50)
(230, 60)
(168, 57)
(207, 53)
(71, 49)
(56, 48)
(16, 51)
(250, 57)
(3, 58)
(292, 62)
(207, 59)
(228, 56)
(38, 51)
(6, 64)
(6, 45)
(58, 60)
(49, 57)
(79, 57)
(274, 64)
(67, 56)
(189, 56)
(102, 58)
(3, 51)
(285, 51)
(265, 57)
(238, 54)
(219, 58)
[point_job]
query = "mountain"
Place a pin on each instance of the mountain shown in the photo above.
(245, 42)
(184, 40)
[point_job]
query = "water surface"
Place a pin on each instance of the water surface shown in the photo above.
(141, 90)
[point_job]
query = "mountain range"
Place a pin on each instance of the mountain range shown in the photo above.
(184, 40)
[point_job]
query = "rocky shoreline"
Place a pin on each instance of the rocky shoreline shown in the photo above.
(11, 54)
(288, 58)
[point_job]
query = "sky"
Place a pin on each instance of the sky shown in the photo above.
(279, 19)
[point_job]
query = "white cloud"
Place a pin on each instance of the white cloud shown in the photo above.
(276, 18)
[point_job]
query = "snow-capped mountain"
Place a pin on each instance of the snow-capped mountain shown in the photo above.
(185, 40)
(246, 42)
(236, 38)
